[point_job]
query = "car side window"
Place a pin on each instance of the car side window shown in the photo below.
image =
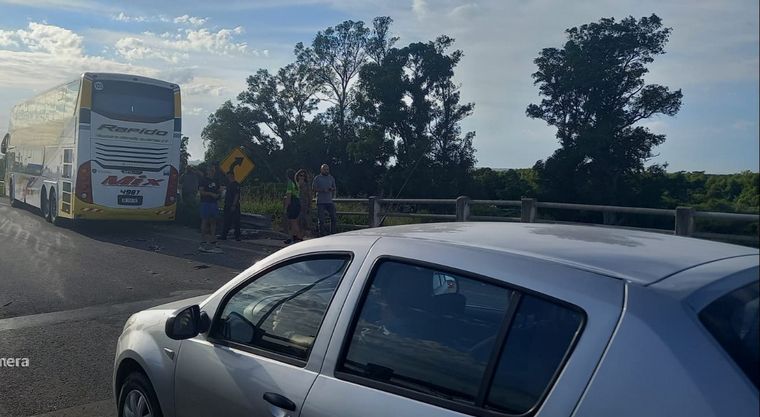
(412, 335)
(281, 311)
(734, 322)
(539, 339)
(456, 339)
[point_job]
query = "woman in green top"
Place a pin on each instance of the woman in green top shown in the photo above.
(293, 207)
(303, 180)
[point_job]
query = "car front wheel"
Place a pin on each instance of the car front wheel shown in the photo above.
(137, 398)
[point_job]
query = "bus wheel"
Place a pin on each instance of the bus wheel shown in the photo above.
(44, 206)
(12, 195)
(52, 215)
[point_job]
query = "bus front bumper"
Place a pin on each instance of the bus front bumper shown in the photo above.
(88, 211)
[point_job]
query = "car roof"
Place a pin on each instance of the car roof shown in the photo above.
(636, 256)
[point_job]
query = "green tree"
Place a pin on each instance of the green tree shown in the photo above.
(336, 55)
(184, 155)
(231, 126)
(358, 152)
(595, 95)
(411, 99)
(283, 101)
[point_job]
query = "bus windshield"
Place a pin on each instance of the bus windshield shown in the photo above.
(132, 101)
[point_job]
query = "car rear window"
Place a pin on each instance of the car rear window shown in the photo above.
(733, 321)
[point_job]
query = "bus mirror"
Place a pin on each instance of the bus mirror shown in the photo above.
(4, 145)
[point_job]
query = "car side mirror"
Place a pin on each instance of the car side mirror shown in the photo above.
(187, 323)
(4, 145)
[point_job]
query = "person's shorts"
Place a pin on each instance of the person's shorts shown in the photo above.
(209, 210)
(294, 209)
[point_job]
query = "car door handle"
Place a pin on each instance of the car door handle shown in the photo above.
(278, 400)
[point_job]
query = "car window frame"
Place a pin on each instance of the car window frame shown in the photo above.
(486, 383)
(290, 360)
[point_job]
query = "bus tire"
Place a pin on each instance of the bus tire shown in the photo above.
(52, 215)
(12, 195)
(44, 206)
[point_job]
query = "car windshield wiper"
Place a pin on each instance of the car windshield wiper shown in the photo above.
(296, 294)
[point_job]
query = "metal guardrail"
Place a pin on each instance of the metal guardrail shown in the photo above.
(684, 218)
(2, 188)
(607, 209)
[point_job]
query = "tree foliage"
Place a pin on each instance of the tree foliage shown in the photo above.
(387, 117)
(184, 155)
(595, 95)
(411, 98)
(392, 113)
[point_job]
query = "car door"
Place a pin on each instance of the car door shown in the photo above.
(259, 358)
(509, 335)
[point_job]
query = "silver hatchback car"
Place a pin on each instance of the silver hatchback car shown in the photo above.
(459, 319)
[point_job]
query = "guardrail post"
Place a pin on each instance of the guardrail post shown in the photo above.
(528, 210)
(373, 207)
(684, 221)
(463, 208)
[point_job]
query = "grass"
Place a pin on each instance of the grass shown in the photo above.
(268, 201)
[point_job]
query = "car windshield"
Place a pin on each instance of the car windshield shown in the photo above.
(734, 321)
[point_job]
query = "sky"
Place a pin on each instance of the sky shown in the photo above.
(209, 48)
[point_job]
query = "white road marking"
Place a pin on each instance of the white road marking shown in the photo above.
(88, 313)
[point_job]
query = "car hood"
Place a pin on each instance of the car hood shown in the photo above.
(174, 305)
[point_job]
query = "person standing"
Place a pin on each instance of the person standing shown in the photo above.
(231, 208)
(305, 195)
(209, 192)
(324, 187)
(190, 182)
(292, 207)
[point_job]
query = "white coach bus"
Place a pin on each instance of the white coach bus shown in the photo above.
(104, 146)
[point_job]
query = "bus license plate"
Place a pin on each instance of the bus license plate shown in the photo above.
(129, 200)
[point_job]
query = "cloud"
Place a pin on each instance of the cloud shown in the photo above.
(134, 49)
(7, 38)
(419, 7)
(465, 11)
(46, 54)
(191, 20)
(178, 75)
(192, 111)
(123, 17)
(176, 47)
(200, 88)
(52, 39)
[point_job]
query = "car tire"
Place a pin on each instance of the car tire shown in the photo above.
(44, 206)
(137, 395)
(52, 212)
(12, 195)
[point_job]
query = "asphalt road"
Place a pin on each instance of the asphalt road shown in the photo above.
(65, 293)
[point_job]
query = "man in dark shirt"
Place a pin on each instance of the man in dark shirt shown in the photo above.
(209, 191)
(231, 208)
